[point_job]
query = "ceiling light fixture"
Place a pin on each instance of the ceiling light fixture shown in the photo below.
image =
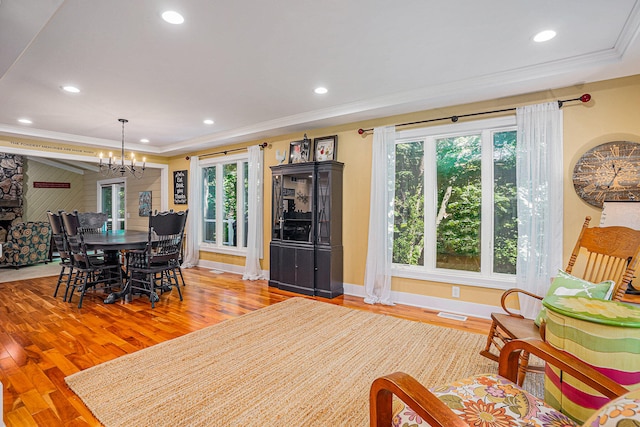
(25, 121)
(544, 36)
(144, 140)
(320, 90)
(172, 17)
(208, 121)
(113, 168)
(70, 89)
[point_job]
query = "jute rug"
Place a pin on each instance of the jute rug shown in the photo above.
(295, 363)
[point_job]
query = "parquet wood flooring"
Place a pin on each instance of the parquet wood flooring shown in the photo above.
(43, 339)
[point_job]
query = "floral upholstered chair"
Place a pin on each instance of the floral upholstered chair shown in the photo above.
(27, 243)
(496, 400)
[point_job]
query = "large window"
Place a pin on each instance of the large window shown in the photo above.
(225, 205)
(455, 203)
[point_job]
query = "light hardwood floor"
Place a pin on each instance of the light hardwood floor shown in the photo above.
(43, 339)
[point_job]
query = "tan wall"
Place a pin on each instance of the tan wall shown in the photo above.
(149, 182)
(611, 115)
(38, 200)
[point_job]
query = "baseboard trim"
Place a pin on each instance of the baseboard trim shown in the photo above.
(463, 308)
(227, 268)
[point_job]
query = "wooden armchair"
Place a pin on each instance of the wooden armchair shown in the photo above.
(484, 397)
(601, 253)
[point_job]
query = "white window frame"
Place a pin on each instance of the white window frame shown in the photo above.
(219, 162)
(485, 278)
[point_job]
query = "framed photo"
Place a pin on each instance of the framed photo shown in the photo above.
(144, 205)
(326, 148)
(299, 151)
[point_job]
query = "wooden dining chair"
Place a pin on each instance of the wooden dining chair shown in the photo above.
(600, 254)
(91, 271)
(155, 267)
(62, 247)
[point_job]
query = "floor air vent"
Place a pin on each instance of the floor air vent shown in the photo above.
(452, 316)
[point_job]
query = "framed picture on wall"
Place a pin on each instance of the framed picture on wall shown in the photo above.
(326, 148)
(144, 204)
(299, 151)
(180, 187)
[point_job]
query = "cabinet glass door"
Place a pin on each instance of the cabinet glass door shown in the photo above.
(277, 206)
(324, 208)
(297, 205)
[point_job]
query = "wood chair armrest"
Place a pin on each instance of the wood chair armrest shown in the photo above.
(415, 395)
(510, 354)
(508, 292)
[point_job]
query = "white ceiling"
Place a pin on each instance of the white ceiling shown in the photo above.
(252, 65)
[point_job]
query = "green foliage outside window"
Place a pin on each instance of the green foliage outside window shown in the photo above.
(230, 200)
(408, 241)
(505, 203)
(458, 170)
(458, 166)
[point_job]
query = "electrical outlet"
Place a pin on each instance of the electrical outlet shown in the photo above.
(455, 291)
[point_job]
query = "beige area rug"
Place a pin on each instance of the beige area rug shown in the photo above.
(10, 274)
(295, 363)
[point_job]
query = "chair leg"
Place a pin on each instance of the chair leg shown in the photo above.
(153, 296)
(491, 341)
(71, 286)
(181, 276)
(83, 290)
(173, 277)
(522, 369)
(62, 268)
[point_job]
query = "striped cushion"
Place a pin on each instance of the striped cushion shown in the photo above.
(603, 334)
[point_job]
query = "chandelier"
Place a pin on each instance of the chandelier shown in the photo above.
(114, 168)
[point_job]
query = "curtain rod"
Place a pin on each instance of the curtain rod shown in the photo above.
(263, 145)
(584, 98)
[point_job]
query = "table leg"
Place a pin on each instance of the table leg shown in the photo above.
(124, 292)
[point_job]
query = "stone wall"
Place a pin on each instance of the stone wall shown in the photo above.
(11, 190)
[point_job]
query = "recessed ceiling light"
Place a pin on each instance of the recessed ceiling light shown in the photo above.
(70, 89)
(544, 36)
(320, 90)
(207, 122)
(25, 121)
(144, 140)
(172, 17)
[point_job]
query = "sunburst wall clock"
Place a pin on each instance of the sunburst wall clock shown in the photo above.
(609, 171)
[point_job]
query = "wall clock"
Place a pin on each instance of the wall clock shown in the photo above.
(610, 171)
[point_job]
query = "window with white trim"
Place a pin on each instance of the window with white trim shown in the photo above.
(225, 189)
(455, 216)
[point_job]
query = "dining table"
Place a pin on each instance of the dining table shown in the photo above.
(111, 243)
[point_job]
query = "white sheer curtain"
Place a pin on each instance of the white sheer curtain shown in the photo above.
(192, 250)
(252, 270)
(540, 207)
(377, 276)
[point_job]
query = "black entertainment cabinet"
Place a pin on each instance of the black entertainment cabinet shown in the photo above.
(306, 228)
